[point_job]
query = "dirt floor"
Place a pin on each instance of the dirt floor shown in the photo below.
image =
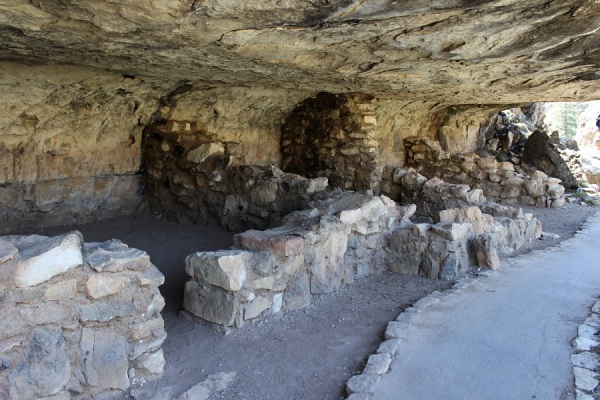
(305, 354)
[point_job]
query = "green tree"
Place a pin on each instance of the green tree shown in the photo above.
(564, 117)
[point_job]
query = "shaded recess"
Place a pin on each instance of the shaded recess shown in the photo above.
(333, 135)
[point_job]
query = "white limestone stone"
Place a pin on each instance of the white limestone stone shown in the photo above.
(202, 152)
(226, 269)
(48, 258)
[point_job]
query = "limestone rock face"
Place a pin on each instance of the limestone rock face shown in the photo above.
(475, 52)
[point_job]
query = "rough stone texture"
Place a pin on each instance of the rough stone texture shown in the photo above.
(46, 368)
(226, 269)
(333, 136)
(471, 54)
(585, 358)
(341, 236)
(211, 83)
(502, 182)
(218, 187)
(72, 331)
(69, 144)
(544, 155)
(486, 252)
(364, 383)
(48, 258)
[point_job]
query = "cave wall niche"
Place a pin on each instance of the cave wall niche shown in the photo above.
(211, 157)
(333, 135)
(69, 145)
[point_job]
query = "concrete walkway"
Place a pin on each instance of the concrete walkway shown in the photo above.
(505, 337)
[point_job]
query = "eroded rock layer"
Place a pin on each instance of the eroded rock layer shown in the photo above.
(457, 52)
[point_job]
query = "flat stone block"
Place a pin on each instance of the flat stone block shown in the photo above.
(101, 285)
(587, 360)
(152, 363)
(584, 344)
(151, 276)
(579, 395)
(378, 364)
(202, 152)
(256, 307)
(225, 269)
(587, 331)
(114, 256)
(585, 379)
(48, 258)
(46, 369)
(211, 303)
(7, 251)
(272, 240)
(389, 346)
(106, 362)
(396, 330)
(61, 291)
(153, 327)
(364, 383)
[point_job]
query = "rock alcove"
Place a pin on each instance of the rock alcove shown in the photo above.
(261, 116)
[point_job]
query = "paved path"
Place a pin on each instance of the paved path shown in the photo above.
(505, 337)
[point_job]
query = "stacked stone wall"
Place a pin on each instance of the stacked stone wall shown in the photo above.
(193, 176)
(333, 136)
(343, 236)
(501, 182)
(79, 320)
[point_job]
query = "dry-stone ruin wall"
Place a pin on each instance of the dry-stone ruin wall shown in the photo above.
(333, 136)
(346, 235)
(502, 182)
(79, 320)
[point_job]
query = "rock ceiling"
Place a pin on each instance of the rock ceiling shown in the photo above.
(453, 52)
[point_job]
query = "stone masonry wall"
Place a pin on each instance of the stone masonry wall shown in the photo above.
(333, 135)
(193, 176)
(69, 145)
(210, 157)
(500, 181)
(79, 320)
(343, 236)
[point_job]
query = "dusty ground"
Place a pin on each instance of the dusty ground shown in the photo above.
(305, 354)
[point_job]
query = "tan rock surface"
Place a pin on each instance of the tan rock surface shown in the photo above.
(458, 52)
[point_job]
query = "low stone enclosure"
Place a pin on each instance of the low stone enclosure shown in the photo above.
(79, 320)
(346, 235)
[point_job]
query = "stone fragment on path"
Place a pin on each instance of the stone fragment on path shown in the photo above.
(204, 389)
(364, 383)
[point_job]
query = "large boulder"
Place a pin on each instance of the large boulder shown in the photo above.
(541, 153)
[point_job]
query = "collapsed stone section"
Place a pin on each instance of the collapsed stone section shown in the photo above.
(193, 176)
(333, 135)
(78, 319)
(340, 237)
(554, 158)
(502, 182)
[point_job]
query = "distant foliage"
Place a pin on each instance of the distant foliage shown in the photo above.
(564, 117)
